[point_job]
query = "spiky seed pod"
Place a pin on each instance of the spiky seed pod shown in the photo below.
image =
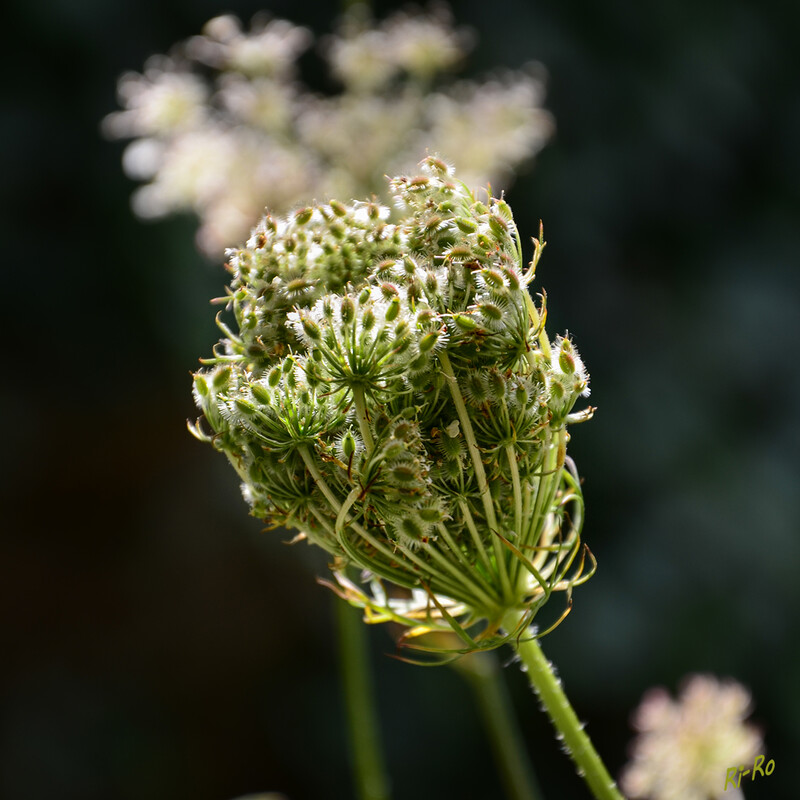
(390, 391)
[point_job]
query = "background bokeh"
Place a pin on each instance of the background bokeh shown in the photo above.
(157, 644)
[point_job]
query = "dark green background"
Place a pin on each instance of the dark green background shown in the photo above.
(157, 645)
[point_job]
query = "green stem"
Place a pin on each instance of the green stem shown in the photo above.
(363, 420)
(512, 466)
(370, 773)
(477, 465)
(476, 538)
(469, 438)
(491, 697)
(548, 688)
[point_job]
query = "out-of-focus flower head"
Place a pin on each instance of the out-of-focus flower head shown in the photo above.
(389, 391)
(165, 99)
(269, 49)
(235, 92)
(366, 57)
(515, 125)
(685, 747)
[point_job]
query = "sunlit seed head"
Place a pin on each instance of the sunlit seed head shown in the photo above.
(311, 328)
(438, 166)
(433, 223)
(498, 226)
(326, 308)
(566, 359)
(385, 269)
(383, 379)
(274, 377)
(393, 309)
(490, 311)
(261, 394)
(484, 242)
(200, 385)
(348, 310)
(426, 317)
(298, 288)
(303, 215)
(221, 378)
(466, 224)
(513, 279)
(479, 209)
(503, 210)
(465, 323)
(414, 291)
(348, 445)
(493, 279)
(338, 208)
(428, 342)
(368, 320)
(459, 252)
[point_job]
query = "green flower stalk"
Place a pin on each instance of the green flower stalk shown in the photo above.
(389, 391)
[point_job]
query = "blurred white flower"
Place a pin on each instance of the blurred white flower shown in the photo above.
(162, 100)
(513, 125)
(421, 45)
(361, 137)
(261, 102)
(271, 51)
(360, 61)
(192, 168)
(222, 127)
(425, 45)
(271, 48)
(686, 747)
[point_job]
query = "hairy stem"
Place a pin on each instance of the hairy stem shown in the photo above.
(548, 688)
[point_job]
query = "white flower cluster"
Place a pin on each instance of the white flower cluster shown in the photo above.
(390, 391)
(222, 127)
(686, 747)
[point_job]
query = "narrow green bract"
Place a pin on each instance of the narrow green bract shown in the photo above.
(391, 393)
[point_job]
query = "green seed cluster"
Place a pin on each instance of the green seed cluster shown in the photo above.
(391, 393)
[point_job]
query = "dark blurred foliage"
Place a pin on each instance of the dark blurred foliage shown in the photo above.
(156, 644)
